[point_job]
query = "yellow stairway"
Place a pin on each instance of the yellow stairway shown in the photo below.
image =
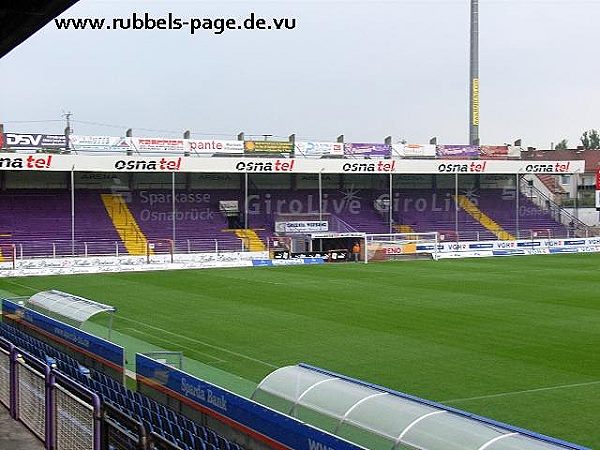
(483, 218)
(404, 229)
(250, 239)
(132, 236)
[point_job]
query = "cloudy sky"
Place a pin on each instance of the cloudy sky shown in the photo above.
(362, 68)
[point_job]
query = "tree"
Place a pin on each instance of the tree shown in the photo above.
(562, 145)
(591, 140)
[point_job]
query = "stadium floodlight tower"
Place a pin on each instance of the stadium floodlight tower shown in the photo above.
(474, 76)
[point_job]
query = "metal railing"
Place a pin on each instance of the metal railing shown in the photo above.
(63, 248)
(576, 227)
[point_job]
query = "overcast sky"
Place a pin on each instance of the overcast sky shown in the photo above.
(366, 69)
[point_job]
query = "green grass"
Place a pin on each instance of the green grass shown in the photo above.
(470, 333)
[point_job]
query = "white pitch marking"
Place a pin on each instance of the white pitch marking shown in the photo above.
(505, 394)
(21, 285)
(216, 359)
(241, 355)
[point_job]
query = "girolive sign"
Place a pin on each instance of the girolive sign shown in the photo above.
(35, 141)
(270, 427)
(299, 226)
(318, 149)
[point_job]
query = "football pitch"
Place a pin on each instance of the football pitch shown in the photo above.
(515, 339)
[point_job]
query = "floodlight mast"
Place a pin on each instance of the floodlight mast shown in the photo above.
(474, 76)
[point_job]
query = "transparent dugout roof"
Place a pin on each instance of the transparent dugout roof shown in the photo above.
(404, 422)
(68, 305)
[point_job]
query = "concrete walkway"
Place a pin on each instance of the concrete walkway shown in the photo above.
(14, 435)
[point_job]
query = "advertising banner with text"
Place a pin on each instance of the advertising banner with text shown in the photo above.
(598, 188)
(212, 147)
(268, 147)
(318, 149)
(104, 350)
(276, 430)
(158, 164)
(158, 145)
(494, 152)
(96, 143)
(457, 151)
(34, 141)
(414, 150)
(362, 150)
(299, 226)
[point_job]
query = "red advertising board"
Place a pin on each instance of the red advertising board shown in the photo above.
(598, 188)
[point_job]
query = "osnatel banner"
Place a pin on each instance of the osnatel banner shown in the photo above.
(253, 419)
(103, 350)
(35, 141)
(283, 147)
(115, 164)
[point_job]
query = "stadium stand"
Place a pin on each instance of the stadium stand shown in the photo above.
(38, 221)
(175, 428)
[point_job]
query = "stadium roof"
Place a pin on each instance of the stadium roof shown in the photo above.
(20, 19)
(68, 305)
(379, 418)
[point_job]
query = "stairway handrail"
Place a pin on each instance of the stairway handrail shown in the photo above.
(557, 211)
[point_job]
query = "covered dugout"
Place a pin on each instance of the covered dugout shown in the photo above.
(379, 418)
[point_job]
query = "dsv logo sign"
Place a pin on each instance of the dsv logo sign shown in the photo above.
(23, 140)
